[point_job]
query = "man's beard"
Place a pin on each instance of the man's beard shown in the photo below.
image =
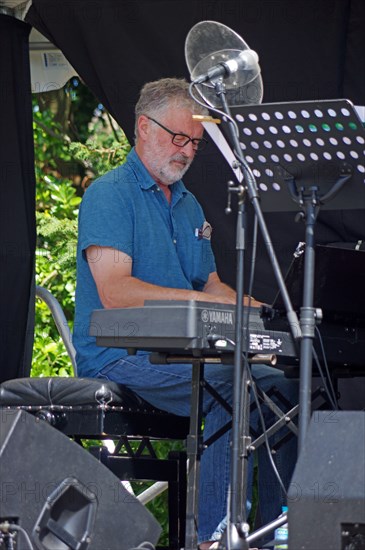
(163, 167)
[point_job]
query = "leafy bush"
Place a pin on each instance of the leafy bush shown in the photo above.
(63, 169)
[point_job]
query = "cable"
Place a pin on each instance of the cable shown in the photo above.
(253, 267)
(244, 356)
(326, 363)
(331, 394)
(222, 113)
(246, 324)
(263, 426)
(262, 421)
(330, 397)
(239, 155)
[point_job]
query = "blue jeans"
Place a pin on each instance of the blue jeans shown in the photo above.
(168, 387)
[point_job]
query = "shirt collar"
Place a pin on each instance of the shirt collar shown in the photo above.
(146, 181)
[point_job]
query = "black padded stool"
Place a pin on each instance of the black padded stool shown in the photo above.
(88, 408)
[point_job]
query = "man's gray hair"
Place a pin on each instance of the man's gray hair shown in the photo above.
(157, 96)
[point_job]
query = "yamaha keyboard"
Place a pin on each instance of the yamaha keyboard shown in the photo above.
(185, 326)
(204, 328)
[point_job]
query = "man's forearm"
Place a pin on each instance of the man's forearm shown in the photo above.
(132, 292)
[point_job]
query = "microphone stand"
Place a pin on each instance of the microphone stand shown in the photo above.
(237, 528)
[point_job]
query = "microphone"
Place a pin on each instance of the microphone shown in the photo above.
(247, 60)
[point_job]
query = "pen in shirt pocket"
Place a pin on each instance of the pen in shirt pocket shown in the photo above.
(204, 232)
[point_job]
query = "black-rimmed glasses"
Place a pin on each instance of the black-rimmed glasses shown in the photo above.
(182, 139)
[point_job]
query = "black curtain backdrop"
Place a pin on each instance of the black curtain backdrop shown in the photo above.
(17, 202)
(309, 49)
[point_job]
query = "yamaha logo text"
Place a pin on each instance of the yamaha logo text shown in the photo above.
(217, 316)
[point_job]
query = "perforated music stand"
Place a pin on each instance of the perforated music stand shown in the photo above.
(313, 143)
(305, 156)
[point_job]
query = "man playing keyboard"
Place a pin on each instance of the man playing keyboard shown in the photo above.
(143, 236)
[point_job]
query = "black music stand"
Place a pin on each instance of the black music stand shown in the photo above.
(307, 155)
(310, 143)
(300, 156)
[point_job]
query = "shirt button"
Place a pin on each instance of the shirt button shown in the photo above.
(174, 241)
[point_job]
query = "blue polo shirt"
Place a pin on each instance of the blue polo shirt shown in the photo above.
(126, 210)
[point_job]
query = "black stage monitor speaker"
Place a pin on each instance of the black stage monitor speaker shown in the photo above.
(327, 495)
(61, 495)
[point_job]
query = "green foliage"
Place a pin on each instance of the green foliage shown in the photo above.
(63, 168)
(102, 151)
(57, 207)
(55, 270)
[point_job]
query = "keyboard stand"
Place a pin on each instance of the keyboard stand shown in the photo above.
(194, 444)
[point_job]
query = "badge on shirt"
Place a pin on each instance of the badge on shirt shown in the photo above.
(204, 232)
